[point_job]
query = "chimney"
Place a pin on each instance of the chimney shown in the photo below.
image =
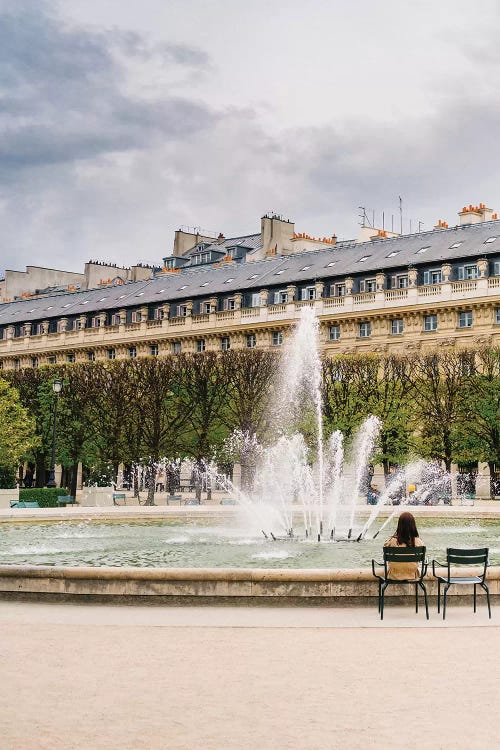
(275, 232)
(441, 224)
(475, 214)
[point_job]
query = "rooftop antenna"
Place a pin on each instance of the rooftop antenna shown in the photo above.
(365, 221)
(400, 215)
(420, 225)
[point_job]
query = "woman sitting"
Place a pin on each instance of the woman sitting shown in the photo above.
(406, 536)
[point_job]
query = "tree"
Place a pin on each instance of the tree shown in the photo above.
(345, 381)
(17, 433)
(437, 381)
(204, 395)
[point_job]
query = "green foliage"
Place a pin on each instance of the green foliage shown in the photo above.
(46, 497)
(17, 433)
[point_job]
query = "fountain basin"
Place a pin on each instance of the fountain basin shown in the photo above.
(217, 585)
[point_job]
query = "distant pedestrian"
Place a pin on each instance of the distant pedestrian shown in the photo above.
(373, 495)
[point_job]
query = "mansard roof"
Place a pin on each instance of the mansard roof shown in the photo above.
(336, 262)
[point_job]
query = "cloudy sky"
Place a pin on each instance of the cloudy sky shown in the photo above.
(121, 120)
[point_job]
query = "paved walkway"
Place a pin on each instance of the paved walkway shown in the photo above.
(183, 678)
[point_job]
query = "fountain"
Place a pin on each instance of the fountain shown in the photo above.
(319, 485)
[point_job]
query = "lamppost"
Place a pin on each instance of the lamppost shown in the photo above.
(57, 388)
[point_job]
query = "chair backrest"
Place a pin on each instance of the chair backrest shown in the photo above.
(472, 557)
(404, 555)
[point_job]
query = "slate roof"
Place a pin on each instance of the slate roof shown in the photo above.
(333, 263)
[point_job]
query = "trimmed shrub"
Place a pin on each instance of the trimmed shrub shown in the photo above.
(7, 478)
(46, 497)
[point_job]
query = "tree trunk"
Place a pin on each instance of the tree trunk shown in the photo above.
(74, 479)
(40, 470)
(150, 483)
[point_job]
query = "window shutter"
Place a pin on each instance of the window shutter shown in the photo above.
(303, 294)
(362, 286)
(427, 277)
(394, 282)
(461, 273)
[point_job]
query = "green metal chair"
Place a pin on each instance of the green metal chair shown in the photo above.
(454, 558)
(401, 555)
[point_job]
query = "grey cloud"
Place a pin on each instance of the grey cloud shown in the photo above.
(63, 95)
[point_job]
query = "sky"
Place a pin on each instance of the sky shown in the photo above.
(121, 121)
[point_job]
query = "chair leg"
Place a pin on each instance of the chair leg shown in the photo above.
(382, 592)
(444, 599)
(439, 595)
(422, 586)
(416, 598)
(485, 587)
(379, 590)
(475, 598)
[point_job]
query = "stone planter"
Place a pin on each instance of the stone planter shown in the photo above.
(7, 495)
(97, 496)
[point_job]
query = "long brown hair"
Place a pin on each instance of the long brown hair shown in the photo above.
(407, 531)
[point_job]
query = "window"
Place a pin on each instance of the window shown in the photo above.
(455, 244)
(254, 276)
(282, 270)
(330, 264)
(308, 293)
(159, 313)
(153, 350)
(115, 319)
(229, 303)
(334, 333)
(132, 352)
(423, 250)
(70, 358)
(363, 258)
(34, 361)
(496, 268)
(200, 345)
(38, 329)
(255, 300)
(430, 322)
(205, 283)
(396, 326)
(139, 294)
(228, 281)
(225, 343)
(465, 319)
(95, 322)
(111, 354)
(467, 272)
(60, 326)
(51, 360)
(365, 330)
(367, 285)
(182, 287)
(337, 290)
(251, 341)
(136, 316)
(399, 281)
(91, 356)
(176, 347)
(392, 254)
(490, 239)
(205, 308)
(277, 338)
(306, 268)
(17, 364)
(280, 297)
(497, 316)
(181, 311)
(434, 276)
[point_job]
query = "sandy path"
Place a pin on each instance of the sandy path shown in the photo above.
(112, 682)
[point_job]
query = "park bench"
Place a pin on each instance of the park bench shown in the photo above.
(174, 499)
(64, 500)
(119, 496)
(401, 555)
(454, 558)
(228, 501)
(24, 504)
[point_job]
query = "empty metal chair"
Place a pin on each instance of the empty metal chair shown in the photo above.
(455, 558)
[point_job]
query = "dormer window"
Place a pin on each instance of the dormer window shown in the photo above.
(423, 250)
(455, 244)
(392, 254)
(363, 258)
(490, 239)
(306, 268)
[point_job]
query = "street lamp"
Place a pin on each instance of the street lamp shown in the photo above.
(57, 388)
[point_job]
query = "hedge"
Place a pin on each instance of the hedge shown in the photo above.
(46, 497)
